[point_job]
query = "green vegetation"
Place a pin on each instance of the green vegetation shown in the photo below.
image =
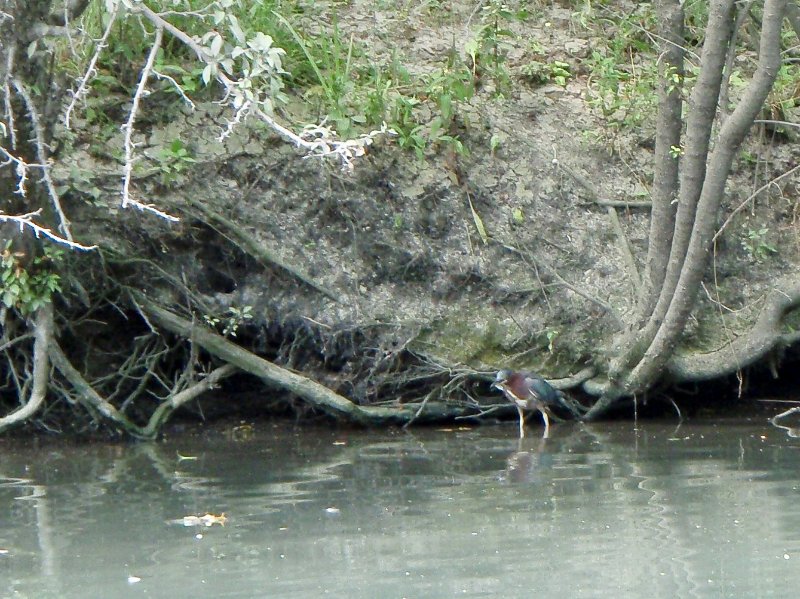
(338, 81)
(756, 245)
(621, 85)
(489, 50)
(231, 321)
(28, 288)
(173, 160)
(328, 70)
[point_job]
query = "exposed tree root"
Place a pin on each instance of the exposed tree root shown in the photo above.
(91, 399)
(766, 335)
(43, 334)
(791, 431)
(575, 380)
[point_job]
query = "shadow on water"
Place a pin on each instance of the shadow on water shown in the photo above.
(702, 510)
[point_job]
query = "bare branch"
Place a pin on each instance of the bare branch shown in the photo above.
(317, 140)
(25, 220)
(88, 396)
(165, 410)
(42, 155)
(751, 197)
(127, 128)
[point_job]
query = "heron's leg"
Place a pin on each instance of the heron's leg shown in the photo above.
(546, 424)
(521, 422)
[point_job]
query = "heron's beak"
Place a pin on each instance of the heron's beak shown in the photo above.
(501, 385)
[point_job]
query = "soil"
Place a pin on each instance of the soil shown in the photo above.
(398, 243)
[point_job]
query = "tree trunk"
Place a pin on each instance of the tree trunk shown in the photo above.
(701, 192)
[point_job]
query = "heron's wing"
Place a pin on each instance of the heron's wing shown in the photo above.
(541, 390)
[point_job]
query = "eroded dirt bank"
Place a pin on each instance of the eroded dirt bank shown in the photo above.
(411, 271)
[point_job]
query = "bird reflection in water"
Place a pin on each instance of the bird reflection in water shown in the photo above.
(525, 464)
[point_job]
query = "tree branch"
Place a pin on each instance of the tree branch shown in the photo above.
(165, 410)
(91, 398)
(700, 120)
(248, 244)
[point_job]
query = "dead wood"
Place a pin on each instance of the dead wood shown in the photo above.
(315, 394)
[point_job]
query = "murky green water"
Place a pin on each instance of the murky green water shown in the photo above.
(610, 510)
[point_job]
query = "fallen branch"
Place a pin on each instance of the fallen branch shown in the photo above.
(91, 398)
(315, 394)
(165, 410)
(625, 250)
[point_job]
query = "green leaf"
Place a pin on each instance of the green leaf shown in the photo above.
(478, 223)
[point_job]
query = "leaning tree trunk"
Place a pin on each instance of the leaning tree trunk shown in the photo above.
(668, 137)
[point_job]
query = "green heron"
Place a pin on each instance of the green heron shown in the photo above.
(529, 391)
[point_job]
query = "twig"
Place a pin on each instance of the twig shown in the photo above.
(163, 412)
(421, 409)
(505, 407)
(553, 273)
(89, 397)
(623, 203)
(15, 340)
(24, 220)
(622, 239)
(625, 249)
(677, 409)
(751, 197)
(90, 70)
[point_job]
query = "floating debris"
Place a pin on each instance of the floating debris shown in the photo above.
(204, 520)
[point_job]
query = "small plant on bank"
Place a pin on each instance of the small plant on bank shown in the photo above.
(756, 245)
(621, 86)
(489, 50)
(540, 73)
(28, 288)
(676, 151)
(174, 160)
(230, 322)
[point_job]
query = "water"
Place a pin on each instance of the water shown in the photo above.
(607, 510)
